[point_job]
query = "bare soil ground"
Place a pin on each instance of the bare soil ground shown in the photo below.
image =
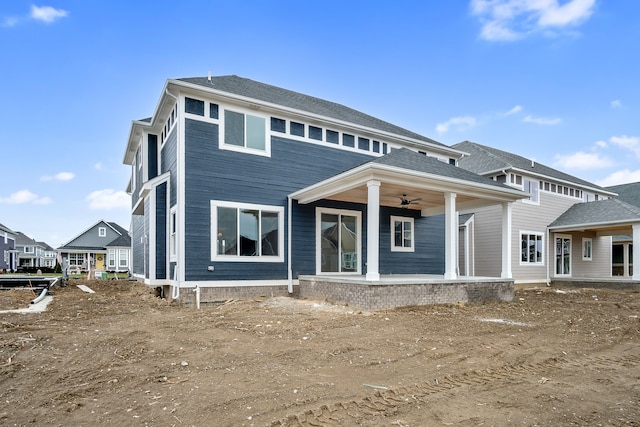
(122, 356)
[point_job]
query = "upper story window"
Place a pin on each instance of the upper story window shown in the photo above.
(28, 249)
(531, 187)
(402, 236)
(102, 231)
(194, 106)
(173, 228)
(245, 132)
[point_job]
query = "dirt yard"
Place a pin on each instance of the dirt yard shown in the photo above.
(123, 357)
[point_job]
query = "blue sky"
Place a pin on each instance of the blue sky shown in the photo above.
(555, 81)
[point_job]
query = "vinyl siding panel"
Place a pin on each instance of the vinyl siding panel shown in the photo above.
(169, 159)
(213, 174)
(137, 248)
(161, 231)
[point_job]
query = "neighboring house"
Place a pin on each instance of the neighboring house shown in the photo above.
(238, 186)
(8, 256)
(105, 246)
(562, 230)
(623, 244)
(30, 253)
(49, 254)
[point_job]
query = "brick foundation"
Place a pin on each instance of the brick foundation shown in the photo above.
(380, 295)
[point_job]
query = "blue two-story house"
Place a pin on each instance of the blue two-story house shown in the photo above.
(242, 188)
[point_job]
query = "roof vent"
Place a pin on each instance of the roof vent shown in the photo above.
(533, 163)
(209, 76)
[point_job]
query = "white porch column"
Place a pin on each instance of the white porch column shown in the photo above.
(373, 230)
(625, 259)
(450, 236)
(506, 240)
(636, 252)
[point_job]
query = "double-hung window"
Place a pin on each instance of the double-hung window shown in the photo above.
(245, 132)
(246, 232)
(402, 236)
(531, 248)
(173, 233)
(532, 187)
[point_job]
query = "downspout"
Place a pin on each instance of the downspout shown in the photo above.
(170, 94)
(289, 227)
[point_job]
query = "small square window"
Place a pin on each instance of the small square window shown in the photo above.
(102, 232)
(363, 144)
(278, 125)
(402, 235)
(315, 133)
(333, 137)
(376, 146)
(385, 148)
(297, 129)
(213, 111)
(348, 140)
(194, 106)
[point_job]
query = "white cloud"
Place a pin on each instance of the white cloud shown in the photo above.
(9, 22)
(47, 14)
(582, 160)
(24, 196)
(544, 121)
(460, 123)
(108, 199)
(514, 110)
(62, 176)
(601, 144)
(616, 103)
(97, 166)
(509, 20)
(631, 143)
(624, 176)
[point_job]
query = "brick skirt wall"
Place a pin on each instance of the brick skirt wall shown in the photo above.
(614, 284)
(221, 294)
(375, 295)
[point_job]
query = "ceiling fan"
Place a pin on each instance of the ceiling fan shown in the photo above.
(404, 202)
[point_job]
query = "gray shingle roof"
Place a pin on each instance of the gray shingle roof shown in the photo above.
(483, 159)
(122, 241)
(287, 98)
(629, 193)
(598, 212)
(7, 229)
(407, 159)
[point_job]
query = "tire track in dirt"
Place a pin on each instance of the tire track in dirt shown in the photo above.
(388, 402)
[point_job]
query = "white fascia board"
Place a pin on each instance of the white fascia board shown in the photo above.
(258, 104)
(587, 226)
(563, 181)
(147, 186)
(389, 174)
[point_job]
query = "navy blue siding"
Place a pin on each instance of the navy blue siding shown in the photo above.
(169, 157)
(213, 174)
(161, 231)
(5, 247)
(152, 160)
(145, 240)
(137, 234)
(428, 257)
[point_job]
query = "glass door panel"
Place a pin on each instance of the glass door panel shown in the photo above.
(563, 256)
(329, 237)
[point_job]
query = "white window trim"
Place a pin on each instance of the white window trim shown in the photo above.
(536, 233)
(235, 205)
(590, 257)
(555, 262)
(267, 132)
(358, 215)
(530, 200)
(395, 248)
(173, 235)
(102, 231)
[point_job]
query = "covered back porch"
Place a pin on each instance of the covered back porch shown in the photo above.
(427, 187)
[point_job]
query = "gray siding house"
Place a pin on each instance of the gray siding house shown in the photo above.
(105, 246)
(240, 188)
(564, 229)
(8, 256)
